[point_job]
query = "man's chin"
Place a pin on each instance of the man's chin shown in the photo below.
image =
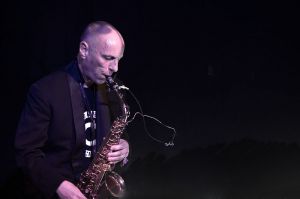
(100, 81)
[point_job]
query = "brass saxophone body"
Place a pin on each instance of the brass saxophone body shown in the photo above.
(99, 181)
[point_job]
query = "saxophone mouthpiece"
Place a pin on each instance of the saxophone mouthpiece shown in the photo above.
(111, 83)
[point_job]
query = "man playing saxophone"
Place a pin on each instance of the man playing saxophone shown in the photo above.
(67, 115)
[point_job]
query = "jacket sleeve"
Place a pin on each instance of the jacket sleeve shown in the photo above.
(30, 142)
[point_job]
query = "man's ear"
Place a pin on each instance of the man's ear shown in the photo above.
(83, 49)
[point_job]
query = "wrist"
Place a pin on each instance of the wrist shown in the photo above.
(124, 161)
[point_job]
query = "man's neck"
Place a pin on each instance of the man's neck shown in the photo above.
(87, 81)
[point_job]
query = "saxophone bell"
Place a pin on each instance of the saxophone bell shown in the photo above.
(115, 184)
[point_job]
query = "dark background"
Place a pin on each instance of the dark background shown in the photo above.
(223, 73)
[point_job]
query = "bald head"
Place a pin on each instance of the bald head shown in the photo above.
(100, 30)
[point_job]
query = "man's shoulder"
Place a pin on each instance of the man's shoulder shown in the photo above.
(51, 78)
(54, 77)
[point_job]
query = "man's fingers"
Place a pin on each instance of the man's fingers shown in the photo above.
(116, 147)
(122, 145)
(118, 152)
(122, 153)
(115, 154)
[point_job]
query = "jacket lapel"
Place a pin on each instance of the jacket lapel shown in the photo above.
(78, 110)
(73, 77)
(77, 104)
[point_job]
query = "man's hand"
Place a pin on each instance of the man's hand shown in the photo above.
(68, 190)
(118, 152)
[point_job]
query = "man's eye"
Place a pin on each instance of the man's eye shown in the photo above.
(108, 57)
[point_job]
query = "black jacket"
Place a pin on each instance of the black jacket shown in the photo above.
(50, 136)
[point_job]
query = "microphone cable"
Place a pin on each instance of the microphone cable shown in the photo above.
(141, 113)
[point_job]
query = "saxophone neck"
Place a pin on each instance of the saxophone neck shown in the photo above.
(112, 85)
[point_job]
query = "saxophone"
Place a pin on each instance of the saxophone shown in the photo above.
(99, 181)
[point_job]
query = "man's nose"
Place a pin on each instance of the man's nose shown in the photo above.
(114, 67)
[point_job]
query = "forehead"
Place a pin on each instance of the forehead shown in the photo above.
(109, 45)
